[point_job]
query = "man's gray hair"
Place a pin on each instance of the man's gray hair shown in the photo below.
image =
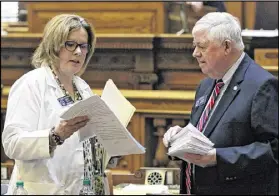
(221, 26)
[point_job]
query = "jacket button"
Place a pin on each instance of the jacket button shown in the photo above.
(227, 178)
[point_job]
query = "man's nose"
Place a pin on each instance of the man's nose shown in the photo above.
(196, 53)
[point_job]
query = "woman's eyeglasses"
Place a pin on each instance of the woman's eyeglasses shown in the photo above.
(72, 46)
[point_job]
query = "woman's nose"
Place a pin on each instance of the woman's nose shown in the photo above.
(77, 51)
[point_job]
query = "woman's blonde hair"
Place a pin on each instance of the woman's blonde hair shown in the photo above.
(55, 35)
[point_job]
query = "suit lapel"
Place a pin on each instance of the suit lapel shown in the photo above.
(224, 103)
(199, 109)
(229, 95)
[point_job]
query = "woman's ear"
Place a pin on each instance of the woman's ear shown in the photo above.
(227, 46)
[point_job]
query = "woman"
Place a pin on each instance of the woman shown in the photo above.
(48, 155)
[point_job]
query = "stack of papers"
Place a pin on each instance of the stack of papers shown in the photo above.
(189, 140)
(109, 115)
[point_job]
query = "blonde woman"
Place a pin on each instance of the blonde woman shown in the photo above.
(48, 155)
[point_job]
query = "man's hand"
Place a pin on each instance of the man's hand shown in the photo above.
(202, 160)
(196, 5)
(168, 135)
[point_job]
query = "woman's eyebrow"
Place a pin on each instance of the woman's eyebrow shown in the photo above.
(73, 40)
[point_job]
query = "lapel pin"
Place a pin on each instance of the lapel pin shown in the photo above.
(235, 88)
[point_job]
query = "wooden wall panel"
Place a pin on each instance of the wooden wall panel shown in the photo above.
(267, 58)
(107, 17)
(235, 8)
(124, 17)
(245, 11)
(180, 80)
(10, 75)
(250, 14)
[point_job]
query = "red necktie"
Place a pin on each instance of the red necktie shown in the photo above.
(203, 119)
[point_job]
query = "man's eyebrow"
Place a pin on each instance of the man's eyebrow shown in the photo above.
(200, 43)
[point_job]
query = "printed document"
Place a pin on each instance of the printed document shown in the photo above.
(189, 140)
(109, 116)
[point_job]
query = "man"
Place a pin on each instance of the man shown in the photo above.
(198, 5)
(240, 116)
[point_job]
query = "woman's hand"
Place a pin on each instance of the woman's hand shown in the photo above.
(67, 127)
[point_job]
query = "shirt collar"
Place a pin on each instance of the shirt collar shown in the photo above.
(228, 76)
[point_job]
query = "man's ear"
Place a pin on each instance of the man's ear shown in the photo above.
(227, 46)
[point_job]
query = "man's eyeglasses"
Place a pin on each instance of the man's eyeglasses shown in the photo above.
(72, 46)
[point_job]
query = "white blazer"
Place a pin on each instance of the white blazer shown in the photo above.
(32, 110)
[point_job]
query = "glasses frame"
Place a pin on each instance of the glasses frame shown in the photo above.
(77, 45)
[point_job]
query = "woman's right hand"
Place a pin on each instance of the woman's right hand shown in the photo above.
(67, 127)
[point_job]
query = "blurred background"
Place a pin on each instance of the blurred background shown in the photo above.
(146, 49)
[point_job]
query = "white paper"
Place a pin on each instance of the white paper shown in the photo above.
(142, 189)
(189, 140)
(259, 33)
(105, 124)
(4, 173)
(121, 107)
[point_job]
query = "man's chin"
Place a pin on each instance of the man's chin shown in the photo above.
(204, 71)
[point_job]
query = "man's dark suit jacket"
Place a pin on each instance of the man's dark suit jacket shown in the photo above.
(220, 5)
(244, 129)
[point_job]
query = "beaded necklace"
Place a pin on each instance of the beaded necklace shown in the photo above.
(87, 152)
(77, 95)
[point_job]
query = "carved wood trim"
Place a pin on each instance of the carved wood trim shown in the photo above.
(146, 101)
(111, 41)
(160, 158)
(184, 41)
(179, 122)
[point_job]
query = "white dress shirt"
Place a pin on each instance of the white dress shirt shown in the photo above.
(226, 79)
